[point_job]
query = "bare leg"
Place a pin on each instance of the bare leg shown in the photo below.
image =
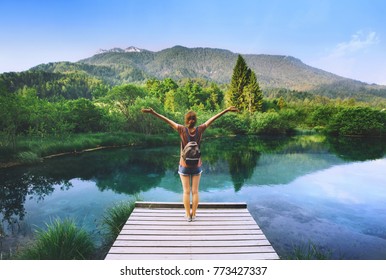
(185, 180)
(195, 196)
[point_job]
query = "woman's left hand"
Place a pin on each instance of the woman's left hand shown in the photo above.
(232, 109)
(150, 110)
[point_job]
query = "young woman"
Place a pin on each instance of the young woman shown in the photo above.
(190, 175)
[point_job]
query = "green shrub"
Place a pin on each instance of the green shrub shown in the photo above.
(321, 115)
(271, 123)
(233, 123)
(358, 121)
(62, 240)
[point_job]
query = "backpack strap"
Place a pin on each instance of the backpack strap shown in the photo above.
(188, 135)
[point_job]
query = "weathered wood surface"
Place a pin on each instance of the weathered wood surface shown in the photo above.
(221, 231)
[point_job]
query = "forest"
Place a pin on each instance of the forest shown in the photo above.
(47, 113)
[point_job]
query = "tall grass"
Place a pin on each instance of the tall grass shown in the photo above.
(62, 240)
(115, 218)
(28, 157)
(309, 251)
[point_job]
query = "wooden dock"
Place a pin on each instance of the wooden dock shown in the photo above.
(158, 231)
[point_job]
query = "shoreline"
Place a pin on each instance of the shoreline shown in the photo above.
(84, 143)
(9, 164)
(35, 150)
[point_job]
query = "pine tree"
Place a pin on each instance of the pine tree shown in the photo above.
(253, 95)
(239, 81)
(244, 90)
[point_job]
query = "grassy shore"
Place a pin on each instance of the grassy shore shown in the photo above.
(34, 149)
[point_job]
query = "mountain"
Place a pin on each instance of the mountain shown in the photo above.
(117, 66)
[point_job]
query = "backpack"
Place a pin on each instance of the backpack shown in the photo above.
(191, 152)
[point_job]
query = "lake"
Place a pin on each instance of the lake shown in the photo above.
(302, 190)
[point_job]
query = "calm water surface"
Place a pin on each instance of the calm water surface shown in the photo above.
(301, 190)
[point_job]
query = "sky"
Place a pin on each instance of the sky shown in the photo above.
(347, 38)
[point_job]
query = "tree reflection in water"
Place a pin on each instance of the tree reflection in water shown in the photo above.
(135, 170)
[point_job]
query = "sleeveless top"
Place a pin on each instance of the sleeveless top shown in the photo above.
(184, 140)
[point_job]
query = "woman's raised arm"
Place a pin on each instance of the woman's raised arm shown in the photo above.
(173, 124)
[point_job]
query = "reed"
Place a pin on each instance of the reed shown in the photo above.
(62, 240)
(309, 251)
(115, 218)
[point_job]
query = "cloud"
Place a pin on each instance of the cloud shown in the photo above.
(359, 58)
(359, 41)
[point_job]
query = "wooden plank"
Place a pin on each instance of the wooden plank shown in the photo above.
(183, 223)
(199, 218)
(233, 205)
(162, 212)
(162, 238)
(181, 209)
(200, 211)
(190, 225)
(253, 256)
(191, 232)
(246, 256)
(191, 250)
(190, 243)
(160, 228)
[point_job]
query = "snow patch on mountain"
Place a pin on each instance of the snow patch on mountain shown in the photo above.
(120, 50)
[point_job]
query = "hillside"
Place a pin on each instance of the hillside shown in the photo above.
(117, 66)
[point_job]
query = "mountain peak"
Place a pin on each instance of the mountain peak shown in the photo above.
(120, 50)
(133, 49)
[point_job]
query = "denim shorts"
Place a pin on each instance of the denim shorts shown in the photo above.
(186, 171)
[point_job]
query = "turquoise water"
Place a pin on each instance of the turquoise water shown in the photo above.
(306, 189)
